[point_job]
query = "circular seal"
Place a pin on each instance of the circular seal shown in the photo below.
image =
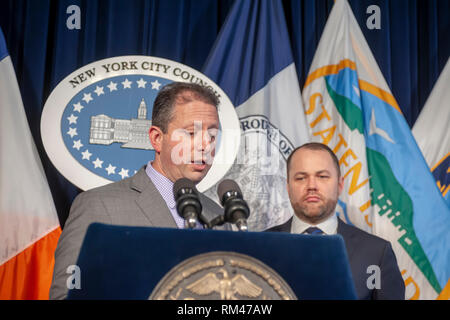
(95, 122)
(222, 275)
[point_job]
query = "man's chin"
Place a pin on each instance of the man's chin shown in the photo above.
(197, 176)
(311, 216)
(315, 213)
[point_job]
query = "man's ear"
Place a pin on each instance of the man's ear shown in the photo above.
(341, 184)
(156, 135)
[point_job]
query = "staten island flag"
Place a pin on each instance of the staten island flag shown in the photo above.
(432, 133)
(252, 62)
(29, 227)
(388, 188)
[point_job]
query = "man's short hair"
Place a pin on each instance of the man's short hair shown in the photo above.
(315, 146)
(178, 93)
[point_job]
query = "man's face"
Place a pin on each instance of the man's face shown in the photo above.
(313, 185)
(188, 147)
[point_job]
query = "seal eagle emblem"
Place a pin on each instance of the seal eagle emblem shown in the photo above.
(222, 275)
(227, 287)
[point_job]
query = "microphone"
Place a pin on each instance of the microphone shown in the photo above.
(187, 202)
(236, 209)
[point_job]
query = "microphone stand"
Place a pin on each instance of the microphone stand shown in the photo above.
(220, 220)
(217, 221)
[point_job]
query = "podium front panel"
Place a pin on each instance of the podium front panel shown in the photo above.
(122, 262)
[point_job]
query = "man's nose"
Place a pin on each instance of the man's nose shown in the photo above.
(311, 183)
(202, 140)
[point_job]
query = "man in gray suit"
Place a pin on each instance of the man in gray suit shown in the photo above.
(314, 183)
(184, 126)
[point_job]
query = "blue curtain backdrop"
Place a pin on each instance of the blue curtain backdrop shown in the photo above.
(411, 47)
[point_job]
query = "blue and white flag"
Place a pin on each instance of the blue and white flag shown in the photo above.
(388, 188)
(432, 134)
(252, 62)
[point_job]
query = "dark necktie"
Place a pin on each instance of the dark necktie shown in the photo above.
(313, 231)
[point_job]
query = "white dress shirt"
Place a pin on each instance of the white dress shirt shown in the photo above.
(165, 188)
(328, 226)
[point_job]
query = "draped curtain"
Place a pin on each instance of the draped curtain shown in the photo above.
(411, 47)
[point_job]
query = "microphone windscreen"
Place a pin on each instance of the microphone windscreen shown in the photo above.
(182, 184)
(227, 185)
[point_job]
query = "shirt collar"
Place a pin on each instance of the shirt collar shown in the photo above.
(163, 184)
(328, 226)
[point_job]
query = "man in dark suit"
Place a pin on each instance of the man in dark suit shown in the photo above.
(314, 183)
(184, 125)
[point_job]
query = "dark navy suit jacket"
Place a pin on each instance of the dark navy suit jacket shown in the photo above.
(364, 250)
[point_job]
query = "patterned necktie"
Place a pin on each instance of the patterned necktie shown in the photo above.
(313, 231)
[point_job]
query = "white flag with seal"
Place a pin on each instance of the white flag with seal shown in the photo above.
(252, 62)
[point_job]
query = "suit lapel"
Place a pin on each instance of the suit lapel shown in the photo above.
(151, 202)
(285, 227)
(349, 237)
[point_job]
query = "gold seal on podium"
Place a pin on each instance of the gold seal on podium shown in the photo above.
(222, 275)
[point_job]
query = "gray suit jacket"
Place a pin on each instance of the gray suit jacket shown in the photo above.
(364, 250)
(133, 201)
